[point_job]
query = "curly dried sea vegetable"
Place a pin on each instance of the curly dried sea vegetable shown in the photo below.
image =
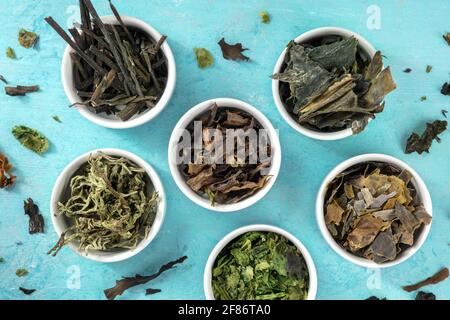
(6, 177)
(109, 206)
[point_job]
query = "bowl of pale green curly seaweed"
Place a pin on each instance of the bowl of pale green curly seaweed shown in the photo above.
(260, 262)
(107, 205)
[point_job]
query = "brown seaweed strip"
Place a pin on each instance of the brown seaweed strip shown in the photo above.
(91, 34)
(76, 61)
(150, 70)
(130, 110)
(104, 84)
(85, 22)
(103, 58)
(434, 279)
(77, 38)
(124, 27)
(110, 41)
(137, 86)
(74, 46)
(158, 45)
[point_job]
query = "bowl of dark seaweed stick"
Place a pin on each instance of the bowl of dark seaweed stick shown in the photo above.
(117, 71)
(374, 210)
(260, 262)
(329, 83)
(224, 154)
(107, 205)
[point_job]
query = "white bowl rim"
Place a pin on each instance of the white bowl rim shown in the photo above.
(207, 276)
(66, 78)
(197, 110)
(63, 180)
(322, 31)
(422, 190)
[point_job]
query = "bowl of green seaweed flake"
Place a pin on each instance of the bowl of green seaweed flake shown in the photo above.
(329, 83)
(107, 205)
(260, 262)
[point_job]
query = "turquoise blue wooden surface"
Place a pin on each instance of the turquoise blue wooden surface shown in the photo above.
(410, 35)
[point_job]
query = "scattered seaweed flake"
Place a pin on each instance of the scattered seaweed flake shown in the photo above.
(446, 37)
(124, 212)
(7, 179)
(27, 39)
(445, 90)
(31, 139)
(151, 291)
(407, 70)
(20, 90)
(444, 113)
(421, 295)
(21, 272)
(370, 211)
(329, 84)
(440, 276)
(36, 223)
(57, 119)
(423, 143)
(423, 98)
(375, 298)
(27, 291)
(129, 282)
(10, 53)
(204, 58)
(429, 68)
(2, 79)
(232, 52)
(265, 17)
(2, 260)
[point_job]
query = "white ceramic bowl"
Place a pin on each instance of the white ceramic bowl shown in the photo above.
(60, 224)
(364, 45)
(112, 121)
(188, 118)
(207, 278)
(418, 184)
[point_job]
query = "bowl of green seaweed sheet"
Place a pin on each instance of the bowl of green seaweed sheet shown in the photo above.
(117, 71)
(374, 210)
(260, 262)
(107, 205)
(329, 83)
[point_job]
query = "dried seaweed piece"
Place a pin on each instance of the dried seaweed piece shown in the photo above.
(109, 205)
(445, 90)
(31, 139)
(446, 37)
(20, 90)
(27, 291)
(423, 98)
(129, 282)
(21, 272)
(204, 58)
(226, 176)
(7, 179)
(444, 113)
(27, 39)
(36, 223)
(407, 70)
(265, 17)
(434, 279)
(421, 295)
(10, 53)
(151, 291)
(423, 143)
(380, 213)
(232, 52)
(332, 85)
(260, 266)
(57, 119)
(428, 69)
(2, 79)
(112, 61)
(375, 298)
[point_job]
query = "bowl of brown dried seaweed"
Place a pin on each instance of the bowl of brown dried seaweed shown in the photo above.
(107, 205)
(117, 71)
(260, 262)
(374, 210)
(329, 83)
(224, 154)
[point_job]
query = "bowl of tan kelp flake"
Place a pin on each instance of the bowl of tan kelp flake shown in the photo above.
(224, 154)
(117, 71)
(107, 205)
(374, 210)
(260, 262)
(329, 83)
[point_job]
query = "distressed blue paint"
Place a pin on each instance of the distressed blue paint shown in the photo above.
(410, 36)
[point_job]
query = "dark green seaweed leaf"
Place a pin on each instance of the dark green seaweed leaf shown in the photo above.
(31, 139)
(423, 143)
